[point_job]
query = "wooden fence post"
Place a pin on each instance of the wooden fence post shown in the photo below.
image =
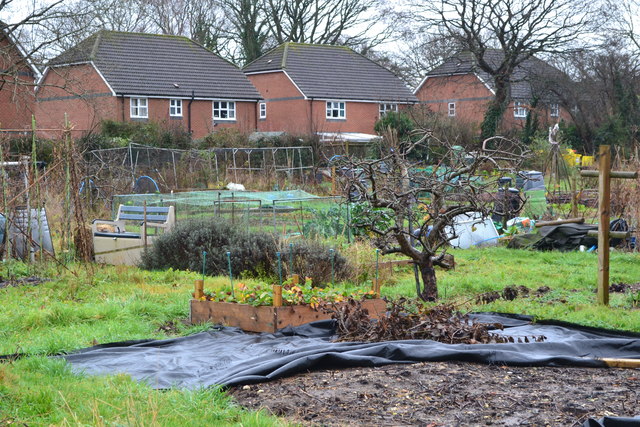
(604, 214)
(604, 175)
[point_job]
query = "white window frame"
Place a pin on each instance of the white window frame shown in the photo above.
(554, 110)
(385, 108)
(452, 109)
(519, 110)
(336, 110)
(175, 107)
(263, 110)
(224, 108)
(137, 110)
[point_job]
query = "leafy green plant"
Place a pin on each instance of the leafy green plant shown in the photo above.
(292, 294)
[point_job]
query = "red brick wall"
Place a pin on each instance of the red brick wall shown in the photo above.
(64, 87)
(17, 94)
(79, 92)
(471, 97)
(201, 115)
(288, 111)
(544, 117)
(360, 117)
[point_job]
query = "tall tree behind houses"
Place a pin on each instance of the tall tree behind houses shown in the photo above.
(519, 28)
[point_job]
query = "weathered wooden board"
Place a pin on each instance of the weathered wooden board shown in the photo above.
(266, 318)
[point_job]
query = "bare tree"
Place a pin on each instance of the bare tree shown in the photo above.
(413, 213)
(348, 22)
(21, 48)
(604, 92)
(520, 29)
(624, 21)
(248, 28)
(421, 52)
(81, 18)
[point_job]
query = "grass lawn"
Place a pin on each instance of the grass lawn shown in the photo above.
(84, 306)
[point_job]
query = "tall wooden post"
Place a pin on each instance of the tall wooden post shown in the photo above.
(604, 216)
(604, 175)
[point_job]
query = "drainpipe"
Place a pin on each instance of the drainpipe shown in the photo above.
(311, 117)
(193, 95)
(122, 102)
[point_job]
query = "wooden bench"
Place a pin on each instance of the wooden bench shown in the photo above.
(114, 244)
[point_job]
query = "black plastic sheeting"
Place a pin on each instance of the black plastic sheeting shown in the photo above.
(228, 356)
(613, 422)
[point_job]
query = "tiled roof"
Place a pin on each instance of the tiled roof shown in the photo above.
(333, 72)
(159, 65)
(533, 76)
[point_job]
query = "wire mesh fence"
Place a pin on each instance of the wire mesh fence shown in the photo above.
(133, 168)
(287, 213)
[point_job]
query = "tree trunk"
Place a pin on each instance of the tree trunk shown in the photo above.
(496, 109)
(430, 286)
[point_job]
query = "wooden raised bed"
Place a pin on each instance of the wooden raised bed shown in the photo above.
(266, 318)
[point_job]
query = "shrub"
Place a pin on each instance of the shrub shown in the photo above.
(23, 146)
(252, 254)
(312, 259)
(146, 133)
(224, 138)
(400, 122)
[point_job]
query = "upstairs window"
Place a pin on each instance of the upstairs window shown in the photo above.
(263, 110)
(336, 110)
(452, 109)
(554, 110)
(224, 110)
(519, 110)
(139, 108)
(385, 108)
(175, 107)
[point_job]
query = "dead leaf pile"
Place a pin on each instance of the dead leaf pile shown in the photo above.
(441, 323)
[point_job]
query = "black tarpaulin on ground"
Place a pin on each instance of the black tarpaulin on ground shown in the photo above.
(613, 422)
(228, 356)
(564, 237)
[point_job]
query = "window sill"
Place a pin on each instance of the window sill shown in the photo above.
(175, 117)
(139, 119)
(336, 120)
(220, 121)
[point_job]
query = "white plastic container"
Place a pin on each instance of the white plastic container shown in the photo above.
(472, 230)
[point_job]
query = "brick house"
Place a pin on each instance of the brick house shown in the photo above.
(17, 83)
(310, 88)
(145, 77)
(459, 89)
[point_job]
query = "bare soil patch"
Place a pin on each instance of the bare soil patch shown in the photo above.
(447, 394)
